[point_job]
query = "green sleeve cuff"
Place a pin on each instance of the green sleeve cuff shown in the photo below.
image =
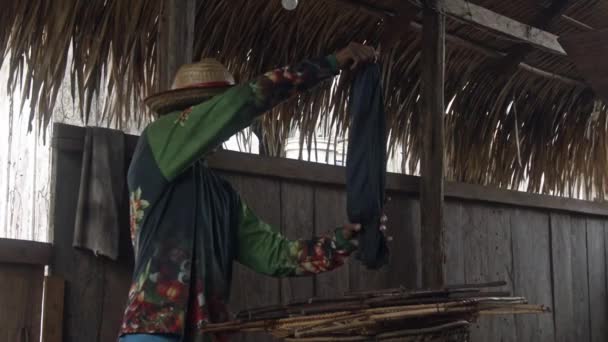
(333, 62)
(342, 243)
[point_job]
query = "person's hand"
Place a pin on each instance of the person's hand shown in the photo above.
(350, 230)
(355, 55)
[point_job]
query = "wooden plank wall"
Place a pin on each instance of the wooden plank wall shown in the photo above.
(20, 302)
(95, 288)
(550, 255)
(21, 281)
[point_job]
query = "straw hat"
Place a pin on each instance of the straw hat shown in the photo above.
(193, 84)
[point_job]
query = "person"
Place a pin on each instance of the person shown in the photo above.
(188, 225)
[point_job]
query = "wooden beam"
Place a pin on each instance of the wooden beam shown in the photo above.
(25, 252)
(493, 53)
(470, 13)
(176, 39)
(464, 42)
(68, 138)
(517, 53)
(482, 17)
(433, 150)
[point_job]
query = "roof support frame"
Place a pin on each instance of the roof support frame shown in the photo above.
(461, 41)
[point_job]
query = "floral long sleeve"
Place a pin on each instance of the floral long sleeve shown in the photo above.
(180, 138)
(263, 249)
(187, 223)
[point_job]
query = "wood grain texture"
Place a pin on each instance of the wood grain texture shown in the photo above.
(580, 280)
(297, 222)
(561, 258)
(330, 213)
(532, 272)
(250, 289)
(176, 39)
(478, 239)
(489, 20)
(499, 266)
(433, 144)
(95, 288)
(405, 263)
(596, 256)
(70, 139)
(83, 273)
(403, 268)
(20, 302)
(52, 317)
(487, 249)
(455, 223)
(25, 252)
(116, 284)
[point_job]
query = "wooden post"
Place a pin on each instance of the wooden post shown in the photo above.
(432, 163)
(176, 39)
(52, 317)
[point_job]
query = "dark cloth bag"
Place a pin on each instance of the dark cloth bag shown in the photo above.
(366, 165)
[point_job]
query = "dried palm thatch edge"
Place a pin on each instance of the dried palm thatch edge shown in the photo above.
(109, 49)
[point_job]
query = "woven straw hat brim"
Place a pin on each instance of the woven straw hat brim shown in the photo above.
(180, 99)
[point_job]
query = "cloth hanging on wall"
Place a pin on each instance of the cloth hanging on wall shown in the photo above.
(366, 165)
(102, 194)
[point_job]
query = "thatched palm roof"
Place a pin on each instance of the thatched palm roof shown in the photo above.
(539, 121)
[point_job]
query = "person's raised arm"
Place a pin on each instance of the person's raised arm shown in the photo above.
(180, 138)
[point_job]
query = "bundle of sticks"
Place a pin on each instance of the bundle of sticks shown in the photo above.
(391, 314)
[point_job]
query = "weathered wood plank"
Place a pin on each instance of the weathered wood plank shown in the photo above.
(116, 284)
(474, 230)
(487, 257)
(580, 286)
(298, 170)
(404, 268)
(483, 17)
(250, 289)
(52, 323)
(25, 252)
(301, 171)
(82, 271)
(570, 281)
(455, 223)
(561, 255)
(297, 222)
(20, 302)
(532, 272)
(522, 199)
(330, 212)
(598, 300)
(176, 39)
(463, 10)
(499, 267)
(433, 153)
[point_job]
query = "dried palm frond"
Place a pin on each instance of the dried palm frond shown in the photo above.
(110, 44)
(519, 130)
(525, 130)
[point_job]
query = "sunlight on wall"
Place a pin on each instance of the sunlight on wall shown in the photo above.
(24, 174)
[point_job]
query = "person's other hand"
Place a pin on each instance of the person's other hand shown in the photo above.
(355, 55)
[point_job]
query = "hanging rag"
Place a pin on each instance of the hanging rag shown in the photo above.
(102, 194)
(366, 165)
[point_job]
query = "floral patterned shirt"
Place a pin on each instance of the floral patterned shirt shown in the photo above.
(188, 225)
